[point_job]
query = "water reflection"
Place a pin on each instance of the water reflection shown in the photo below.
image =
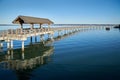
(33, 55)
(22, 63)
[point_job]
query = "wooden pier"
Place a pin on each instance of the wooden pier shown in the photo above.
(23, 34)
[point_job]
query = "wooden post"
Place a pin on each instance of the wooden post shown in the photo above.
(32, 26)
(21, 27)
(41, 38)
(40, 26)
(31, 39)
(22, 46)
(8, 54)
(11, 53)
(11, 44)
(35, 38)
(23, 56)
(8, 44)
(1, 44)
(49, 26)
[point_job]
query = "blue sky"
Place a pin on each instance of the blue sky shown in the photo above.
(63, 11)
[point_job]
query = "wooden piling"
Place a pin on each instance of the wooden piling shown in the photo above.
(11, 44)
(22, 46)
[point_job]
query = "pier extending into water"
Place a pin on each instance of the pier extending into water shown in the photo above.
(17, 34)
(23, 34)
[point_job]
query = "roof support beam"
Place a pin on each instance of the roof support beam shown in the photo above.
(40, 26)
(32, 26)
(48, 25)
(21, 25)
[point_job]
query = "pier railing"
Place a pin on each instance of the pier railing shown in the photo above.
(17, 33)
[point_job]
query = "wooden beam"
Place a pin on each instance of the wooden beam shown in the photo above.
(32, 26)
(40, 26)
(11, 44)
(22, 46)
(48, 25)
(21, 26)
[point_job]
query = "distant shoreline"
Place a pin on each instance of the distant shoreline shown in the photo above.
(66, 24)
(8, 24)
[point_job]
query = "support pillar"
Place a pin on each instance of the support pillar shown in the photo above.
(31, 39)
(1, 44)
(21, 27)
(11, 53)
(48, 26)
(8, 44)
(22, 49)
(11, 44)
(22, 46)
(40, 26)
(41, 38)
(8, 54)
(32, 26)
(23, 56)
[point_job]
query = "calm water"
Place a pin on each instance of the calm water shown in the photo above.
(85, 55)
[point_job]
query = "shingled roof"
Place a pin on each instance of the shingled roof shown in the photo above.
(31, 20)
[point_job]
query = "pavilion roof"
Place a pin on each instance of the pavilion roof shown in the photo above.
(31, 20)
